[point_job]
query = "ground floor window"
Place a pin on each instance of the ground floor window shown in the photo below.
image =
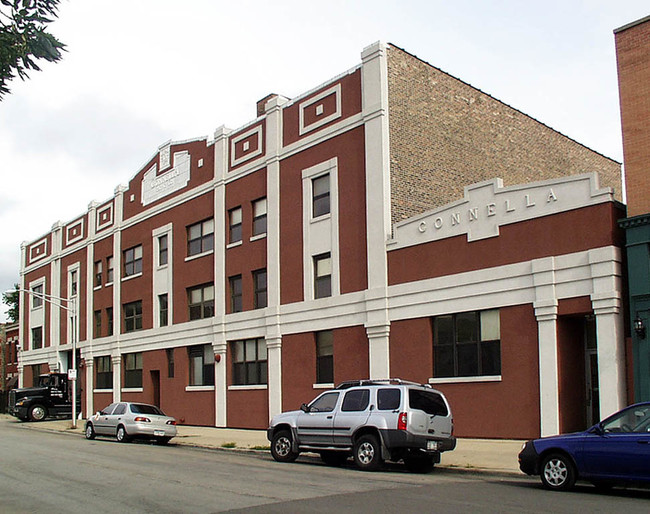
(201, 365)
(249, 362)
(325, 357)
(133, 370)
(103, 373)
(467, 344)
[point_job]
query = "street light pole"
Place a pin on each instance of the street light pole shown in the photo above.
(72, 308)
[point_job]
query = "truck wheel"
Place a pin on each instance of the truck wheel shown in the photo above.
(281, 447)
(37, 413)
(367, 453)
(121, 435)
(90, 431)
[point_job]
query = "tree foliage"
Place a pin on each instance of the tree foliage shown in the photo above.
(23, 38)
(12, 299)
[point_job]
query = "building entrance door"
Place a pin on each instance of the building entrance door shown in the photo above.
(155, 381)
(591, 372)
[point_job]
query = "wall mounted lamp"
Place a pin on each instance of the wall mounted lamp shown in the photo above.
(639, 327)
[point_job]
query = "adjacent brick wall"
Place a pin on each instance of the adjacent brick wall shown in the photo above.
(445, 135)
(633, 60)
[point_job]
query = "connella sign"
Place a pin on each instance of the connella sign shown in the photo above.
(156, 186)
(488, 205)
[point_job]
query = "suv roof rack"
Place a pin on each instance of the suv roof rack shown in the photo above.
(378, 381)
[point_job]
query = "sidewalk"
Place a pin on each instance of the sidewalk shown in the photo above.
(477, 455)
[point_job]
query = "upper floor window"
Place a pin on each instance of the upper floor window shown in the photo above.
(234, 221)
(103, 372)
(201, 301)
(322, 276)
(109, 319)
(325, 357)
(98, 273)
(133, 370)
(201, 365)
(163, 309)
(249, 362)
(163, 250)
(260, 289)
(37, 338)
(259, 217)
(74, 283)
(37, 296)
(467, 344)
(170, 362)
(200, 237)
(320, 187)
(109, 270)
(236, 304)
(97, 332)
(133, 261)
(133, 316)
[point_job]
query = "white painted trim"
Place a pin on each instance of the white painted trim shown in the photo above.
(258, 237)
(195, 389)
(132, 390)
(130, 277)
(255, 131)
(257, 387)
(234, 245)
(465, 380)
(336, 90)
(198, 255)
(102, 390)
(323, 386)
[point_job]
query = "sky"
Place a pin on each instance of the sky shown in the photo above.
(138, 73)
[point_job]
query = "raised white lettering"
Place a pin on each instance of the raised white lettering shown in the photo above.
(491, 209)
(455, 218)
(551, 196)
(422, 227)
(438, 223)
(473, 214)
(529, 203)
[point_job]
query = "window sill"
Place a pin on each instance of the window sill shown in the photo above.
(258, 237)
(322, 217)
(234, 245)
(193, 389)
(323, 386)
(198, 255)
(108, 284)
(102, 390)
(465, 380)
(132, 390)
(252, 387)
(131, 277)
(97, 288)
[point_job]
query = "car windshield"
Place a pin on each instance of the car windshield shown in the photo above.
(141, 408)
(636, 419)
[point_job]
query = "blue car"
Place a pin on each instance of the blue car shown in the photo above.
(616, 450)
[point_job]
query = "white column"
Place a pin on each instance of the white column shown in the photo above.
(546, 307)
(606, 300)
(220, 343)
(378, 209)
(90, 384)
(116, 361)
(274, 363)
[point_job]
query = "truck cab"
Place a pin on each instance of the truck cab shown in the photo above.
(52, 397)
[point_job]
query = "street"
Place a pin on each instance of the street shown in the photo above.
(59, 472)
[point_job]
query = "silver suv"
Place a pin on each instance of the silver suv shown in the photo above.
(372, 420)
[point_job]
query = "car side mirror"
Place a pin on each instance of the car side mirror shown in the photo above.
(304, 407)
(598, 429)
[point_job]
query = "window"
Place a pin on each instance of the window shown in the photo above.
(259, 217)
(235, 294)
(133, 316)
(133, 261)
(324, 403)
(355, 401)
(234, 217)
(320, 187)
(98, 273)
(201, 365)
(249, 362)
(103, 373)
(322, 276)
(73, 283)
(388, 399)
(133, 370)
(200, 237)
(97, 332)
(170, 362)
(163, 309)
(162, 250)
(259, 286)
(201, 301)
(325, 357)
(109, 270)
(428, 401)
(37, 338)
(109, 318)
(37, 296)
(467, 344)
(36, 373)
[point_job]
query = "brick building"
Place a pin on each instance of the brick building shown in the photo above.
(9, 365)
(633, 61)
(358, 230)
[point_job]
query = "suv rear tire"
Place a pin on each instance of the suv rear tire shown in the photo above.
(367, 453)
(281, 447)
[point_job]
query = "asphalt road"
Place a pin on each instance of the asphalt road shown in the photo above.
(59, 472)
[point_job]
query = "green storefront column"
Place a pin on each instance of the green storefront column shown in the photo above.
(637, 233)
